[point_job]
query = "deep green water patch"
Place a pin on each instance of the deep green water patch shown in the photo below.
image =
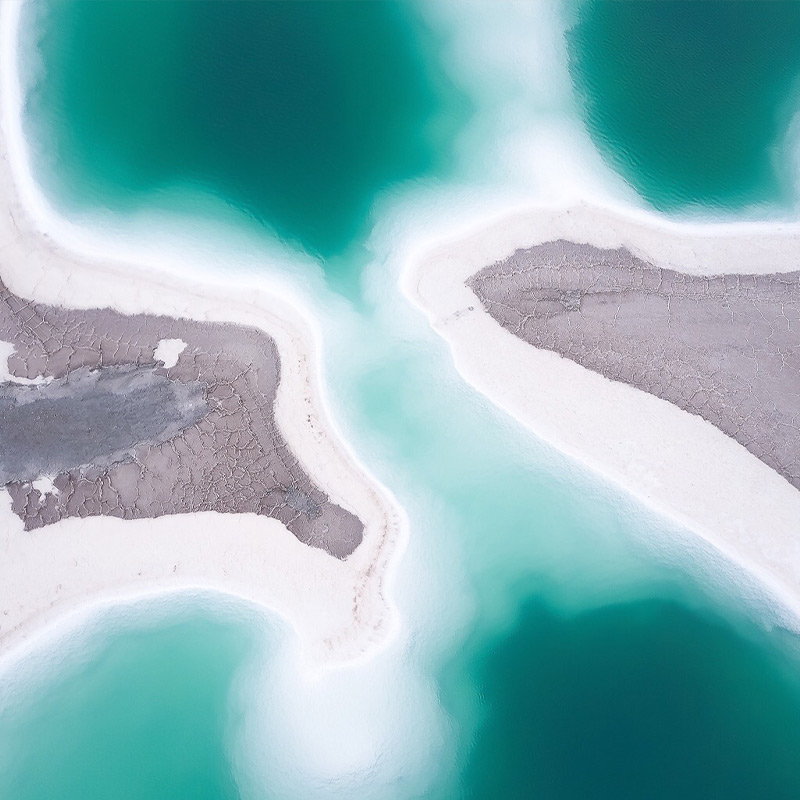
(643, 699)
(690, 101)
(297, 113)
(144, 716)
(619, 697)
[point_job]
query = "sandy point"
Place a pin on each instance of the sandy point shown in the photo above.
(675, 462)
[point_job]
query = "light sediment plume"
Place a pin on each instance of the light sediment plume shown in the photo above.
(440, 674)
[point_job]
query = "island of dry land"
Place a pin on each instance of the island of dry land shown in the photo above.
(163, 429)
(101, 427)
(725, 347)
(163, 432)
(156, 437)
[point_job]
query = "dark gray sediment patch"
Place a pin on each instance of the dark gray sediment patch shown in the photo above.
(90, 417)
(725, 347)
(198, 436)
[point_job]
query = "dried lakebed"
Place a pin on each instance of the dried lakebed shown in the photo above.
(93, 423)
(724, 347)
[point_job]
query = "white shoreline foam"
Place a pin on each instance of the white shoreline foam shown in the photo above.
(676, 462)
(338, 609)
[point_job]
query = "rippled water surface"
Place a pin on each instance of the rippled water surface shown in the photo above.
(691, 101)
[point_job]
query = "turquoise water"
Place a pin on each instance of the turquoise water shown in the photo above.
(571, 661)
(142, 713)
(691, 101)
(591, 667)
(550, 650)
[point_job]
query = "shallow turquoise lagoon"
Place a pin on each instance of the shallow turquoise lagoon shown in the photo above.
(140, 711)
(570, 658)
(591, 665)
(575, 645)
(691, 102)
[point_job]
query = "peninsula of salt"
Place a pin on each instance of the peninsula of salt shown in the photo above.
(541, 312)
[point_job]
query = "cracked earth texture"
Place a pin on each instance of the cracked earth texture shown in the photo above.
(121, 435)
(724, 347)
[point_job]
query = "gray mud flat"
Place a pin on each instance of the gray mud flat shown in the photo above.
(724, 347)
(90, 417)
(125, 437)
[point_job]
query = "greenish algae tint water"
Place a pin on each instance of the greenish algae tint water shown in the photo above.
(642, 699)
(578, 664)
(690, 101)
(296, 113)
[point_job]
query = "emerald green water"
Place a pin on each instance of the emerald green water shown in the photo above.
(229, 98)
(690, 101)
(590, 667)
(571, 661)
(627, 701)
(548, 648)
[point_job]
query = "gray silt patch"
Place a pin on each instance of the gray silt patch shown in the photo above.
(90, 417)
(232, 459)
(724, 347)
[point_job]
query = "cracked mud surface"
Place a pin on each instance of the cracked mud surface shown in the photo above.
(121, 435)
(724, 347)
(90, 417)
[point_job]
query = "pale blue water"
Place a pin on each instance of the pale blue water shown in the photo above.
(558, 640)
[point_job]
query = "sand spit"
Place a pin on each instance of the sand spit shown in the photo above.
(677, 462)
(264, 448)
(724, 347)
(232, 459)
